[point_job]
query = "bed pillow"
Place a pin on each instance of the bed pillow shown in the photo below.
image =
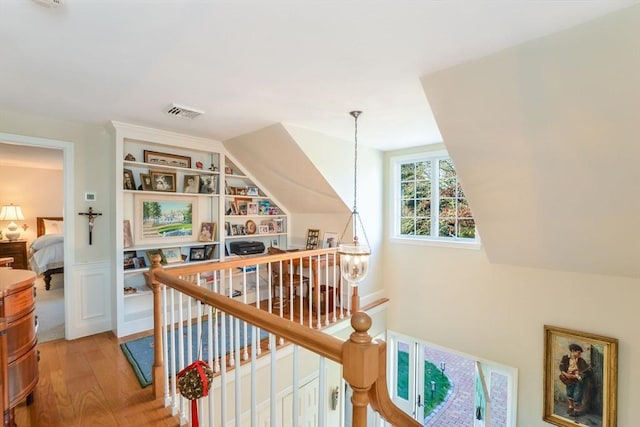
(53, 226)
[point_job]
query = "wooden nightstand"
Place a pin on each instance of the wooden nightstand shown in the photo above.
(16, 249)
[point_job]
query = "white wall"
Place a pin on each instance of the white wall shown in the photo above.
(457, 299)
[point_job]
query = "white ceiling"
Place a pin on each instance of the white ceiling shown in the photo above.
(250, 64)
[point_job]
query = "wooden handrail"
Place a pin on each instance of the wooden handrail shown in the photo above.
(363, 360)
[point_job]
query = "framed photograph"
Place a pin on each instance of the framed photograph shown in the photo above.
(126, 232)
(330, 240)
(207, 232)
(313, 236)
(241, 205)
(197, 254)
(172, 255)
(151, 252)
(263, 229)
(191, 184)
(275, 243)
(128, 183)
(263, 207)
(252, 191)
(209, 184)
(138, 262)
(163, 181)
(208, 251)
(252, 208)
(165, 219)
(580, 378)
(127, 260)
(250, 227)
(227, 229)
(145, 182)
(157, 158)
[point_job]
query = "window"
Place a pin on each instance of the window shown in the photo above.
(430, 203)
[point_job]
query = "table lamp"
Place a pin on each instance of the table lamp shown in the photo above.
(11, 213)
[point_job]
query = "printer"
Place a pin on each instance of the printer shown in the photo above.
(244, 247)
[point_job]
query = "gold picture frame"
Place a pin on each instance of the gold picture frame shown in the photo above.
(313, 238)
(580, 378)
(166, 159)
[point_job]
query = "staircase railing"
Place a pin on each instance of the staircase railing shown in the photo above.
(362, 360)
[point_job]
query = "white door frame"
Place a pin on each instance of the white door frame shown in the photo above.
(67, 209)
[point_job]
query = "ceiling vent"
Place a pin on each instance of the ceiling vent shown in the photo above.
(49, 3)
(182, 111)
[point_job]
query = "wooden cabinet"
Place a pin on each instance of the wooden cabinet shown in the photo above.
(16, 249)
(19, 353)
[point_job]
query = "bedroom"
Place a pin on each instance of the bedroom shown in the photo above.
(33, 179)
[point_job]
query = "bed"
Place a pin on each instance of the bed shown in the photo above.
(47, 250)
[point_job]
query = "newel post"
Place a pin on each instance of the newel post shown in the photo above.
(158, 356)
(360, 366)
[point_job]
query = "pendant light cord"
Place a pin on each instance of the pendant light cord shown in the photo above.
(355, 115)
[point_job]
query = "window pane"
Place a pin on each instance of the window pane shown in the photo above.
(408, 190)
(424, 208)
(464, 211)
(467, 229)
(423, 227)
(408, 208)
(447, 208)
(460, 192)
(447, 227)
(423, 189)
(407, 172)
(402, 390)
(423, 170)
(407, 226)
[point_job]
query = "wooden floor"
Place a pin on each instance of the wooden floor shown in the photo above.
(89, 382)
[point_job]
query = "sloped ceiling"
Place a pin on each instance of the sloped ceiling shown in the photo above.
(278, 163)
(545, 139)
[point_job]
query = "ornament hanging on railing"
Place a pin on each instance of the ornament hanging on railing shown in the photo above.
(194, 382)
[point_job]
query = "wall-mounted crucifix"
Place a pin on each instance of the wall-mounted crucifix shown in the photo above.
(91, 215)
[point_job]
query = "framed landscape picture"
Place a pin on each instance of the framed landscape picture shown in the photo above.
(580, 378)
(167, 159)
(165, 219)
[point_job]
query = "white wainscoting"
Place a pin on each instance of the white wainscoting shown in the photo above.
(88, 305)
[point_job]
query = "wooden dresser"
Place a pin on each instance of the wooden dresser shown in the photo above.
(19, 364)
(16, 249)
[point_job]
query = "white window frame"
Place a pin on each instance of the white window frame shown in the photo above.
(396, 237)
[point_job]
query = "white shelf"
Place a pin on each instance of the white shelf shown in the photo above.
(157, 166)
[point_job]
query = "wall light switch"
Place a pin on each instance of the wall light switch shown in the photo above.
(89, 197)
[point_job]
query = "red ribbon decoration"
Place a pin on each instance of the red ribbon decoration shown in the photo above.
(198, 365)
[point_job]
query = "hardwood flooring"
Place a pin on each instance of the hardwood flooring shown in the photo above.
(89, 382)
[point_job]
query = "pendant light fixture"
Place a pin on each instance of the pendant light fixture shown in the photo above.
(354, 257)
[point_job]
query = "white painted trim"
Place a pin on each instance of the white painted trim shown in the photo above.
(68, 173)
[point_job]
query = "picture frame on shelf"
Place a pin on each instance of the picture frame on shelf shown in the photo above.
(263, 229)
(197, 254)
(228, 170)
(172, 255)
(313, 236)
(252, 191)
(128, 183)
(279, 225)
(580, 377)
(275, 243)
(139, 262)
(165, 219)
(151, 252)
(250, 227)
(145, 182)
(209, 184)
(263, 207)
(273, 210)
(207, 232)
(126, 234)
(127, 260)
(241, 205)
(208, 251)
(191, 184)
(163, 181)
(252, 208)
(166, 159)
(330, 239)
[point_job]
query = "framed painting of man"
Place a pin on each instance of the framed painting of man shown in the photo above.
(580, 378)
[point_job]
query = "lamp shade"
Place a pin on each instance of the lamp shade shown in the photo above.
(11, 213)
(354, 262)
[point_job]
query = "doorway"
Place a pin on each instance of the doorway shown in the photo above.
(53, 320)
(438, 386)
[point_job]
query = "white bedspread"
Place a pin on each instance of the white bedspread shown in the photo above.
(47, 253)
